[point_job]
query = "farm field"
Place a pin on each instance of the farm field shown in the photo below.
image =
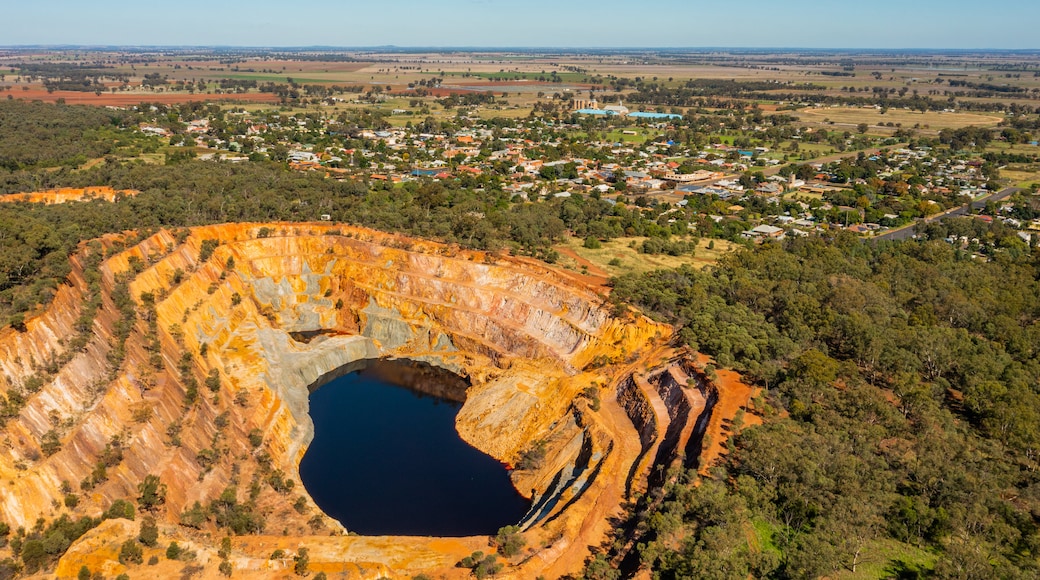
(852, 116)
(122, 99)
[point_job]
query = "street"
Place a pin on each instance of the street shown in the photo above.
(908, 231)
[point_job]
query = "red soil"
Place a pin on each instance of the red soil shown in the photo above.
(596, 277)
(734, 394)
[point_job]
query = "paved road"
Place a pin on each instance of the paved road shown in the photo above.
(908, 231)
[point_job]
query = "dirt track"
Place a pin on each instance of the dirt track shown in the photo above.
(734, 394)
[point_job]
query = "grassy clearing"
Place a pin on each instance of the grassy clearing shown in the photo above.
(641, 135)
(764, 535)
(629, 258)
(887, 559)
(852, 116)
(880, 559)
(152, 158)
(1020, 178)
(509, 113)
(1023, 148)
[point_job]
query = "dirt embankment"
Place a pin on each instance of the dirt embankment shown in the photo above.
(67, 194)
(733, 398)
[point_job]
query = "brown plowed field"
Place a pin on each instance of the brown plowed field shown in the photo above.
(123, 99)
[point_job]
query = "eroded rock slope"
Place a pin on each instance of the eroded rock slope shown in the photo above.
(179, 355)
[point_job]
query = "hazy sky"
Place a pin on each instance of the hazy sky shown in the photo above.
(530, 23)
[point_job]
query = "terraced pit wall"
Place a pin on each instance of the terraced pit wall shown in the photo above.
(185, 360)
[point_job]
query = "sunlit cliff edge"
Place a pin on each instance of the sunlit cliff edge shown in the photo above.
(67, 194)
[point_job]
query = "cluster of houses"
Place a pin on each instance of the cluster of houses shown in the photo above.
(529, 161)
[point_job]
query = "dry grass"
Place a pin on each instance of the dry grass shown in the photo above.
(1021, 178)
(852, 116)
(632, 261)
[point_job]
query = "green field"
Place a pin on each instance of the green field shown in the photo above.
(641, 135)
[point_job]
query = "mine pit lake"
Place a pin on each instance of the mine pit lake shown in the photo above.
(386, 459)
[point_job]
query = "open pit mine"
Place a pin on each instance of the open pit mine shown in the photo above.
(173, 370)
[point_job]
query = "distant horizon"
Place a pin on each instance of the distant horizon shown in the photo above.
(504, 48)
(809, 24)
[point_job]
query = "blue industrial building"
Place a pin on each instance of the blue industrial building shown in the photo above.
(645, 115)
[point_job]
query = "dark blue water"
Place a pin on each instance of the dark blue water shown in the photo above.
(386, 460)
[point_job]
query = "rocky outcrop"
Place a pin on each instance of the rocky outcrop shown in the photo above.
(188, 355)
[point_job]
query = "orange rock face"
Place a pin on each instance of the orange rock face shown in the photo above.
(67, 194)
(188, 370)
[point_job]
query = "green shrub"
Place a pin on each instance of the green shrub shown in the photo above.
(301, 561)
(149, 534)
(509, 541)
(50, 443)
(152, 492)
(131, 553)
(194, 517)
(207, 248)
(120, 508)
(533, 457)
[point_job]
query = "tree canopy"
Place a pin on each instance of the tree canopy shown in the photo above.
(902, 406)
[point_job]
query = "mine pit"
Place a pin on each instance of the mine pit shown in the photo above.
(208, 360)
(386, 458)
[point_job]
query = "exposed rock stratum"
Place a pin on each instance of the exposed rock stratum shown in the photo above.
(173, 355)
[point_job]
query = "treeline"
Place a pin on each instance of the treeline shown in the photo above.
(71, 76)
(35, 240)
(42, 135)
(721, 97)
(467, 100)
(988, 87)
(902, 414)
(966, 137)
